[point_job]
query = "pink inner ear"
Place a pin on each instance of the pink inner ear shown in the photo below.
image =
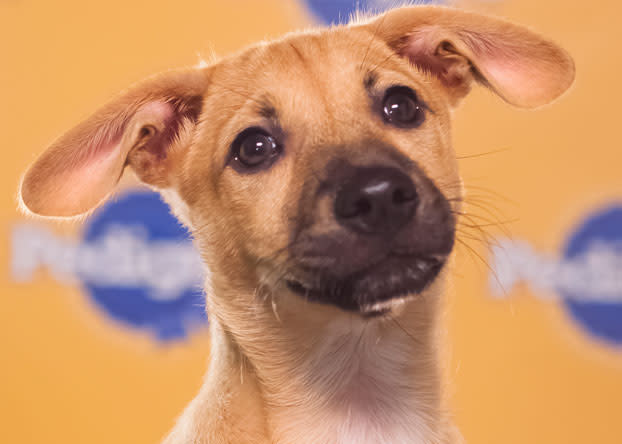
(420, 48)
(169, 119)
(83, 167)
(107, 138)
(521, 70)
(100, 168)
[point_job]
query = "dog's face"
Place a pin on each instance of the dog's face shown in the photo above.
(319, 166)
(326, 169)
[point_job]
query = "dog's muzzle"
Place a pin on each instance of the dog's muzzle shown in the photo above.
(387, 236)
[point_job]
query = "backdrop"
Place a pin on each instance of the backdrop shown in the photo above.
(103, 338)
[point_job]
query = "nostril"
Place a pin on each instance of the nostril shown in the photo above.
(362, 207)
(351, 207)
(401, 196)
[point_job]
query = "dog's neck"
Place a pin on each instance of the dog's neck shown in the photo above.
(358, 386)
(295, 378)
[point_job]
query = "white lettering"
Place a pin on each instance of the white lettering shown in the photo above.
(122, 257)
(595, 275)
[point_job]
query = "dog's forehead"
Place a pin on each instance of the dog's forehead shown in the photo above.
(320, 87)
(333, 64)
(330, 52)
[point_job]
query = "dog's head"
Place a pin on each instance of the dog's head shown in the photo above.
(319, 165)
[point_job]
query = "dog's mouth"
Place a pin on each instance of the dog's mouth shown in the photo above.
(373, 291)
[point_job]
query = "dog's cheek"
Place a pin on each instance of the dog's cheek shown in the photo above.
(197, 200)
(256, 205)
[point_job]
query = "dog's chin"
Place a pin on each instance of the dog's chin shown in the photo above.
(373, 292)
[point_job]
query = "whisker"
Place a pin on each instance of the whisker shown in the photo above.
(491, 213)
(474, 224)
(486, 205)
(371, 40)
(417, 341)
(481, 258)
(488, 190)
(381, 63)
(491, 224)
(485, 238)
(487, 153)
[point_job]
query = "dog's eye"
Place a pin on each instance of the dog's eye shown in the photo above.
(254, 147)
(402, 108)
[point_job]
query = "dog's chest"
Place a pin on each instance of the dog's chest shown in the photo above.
(373, 410)
(366, 412)
(368, 397)
(373, 422)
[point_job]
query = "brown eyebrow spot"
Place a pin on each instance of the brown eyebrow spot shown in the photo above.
(370, 80)
(267, 110)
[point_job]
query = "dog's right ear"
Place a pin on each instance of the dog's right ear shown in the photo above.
(458, 47)
(143, 127)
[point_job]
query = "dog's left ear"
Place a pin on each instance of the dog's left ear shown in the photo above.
(145, 128)
(458, 47)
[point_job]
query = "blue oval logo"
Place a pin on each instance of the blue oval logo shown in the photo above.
(586, 277)
(340, 11)
(597, 244)
(138, 264)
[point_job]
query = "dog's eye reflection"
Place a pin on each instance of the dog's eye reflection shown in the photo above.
(402, 108)
(254, 148)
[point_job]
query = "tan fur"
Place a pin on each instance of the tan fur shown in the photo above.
(284, 370)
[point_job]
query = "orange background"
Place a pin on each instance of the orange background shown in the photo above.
(522, 371)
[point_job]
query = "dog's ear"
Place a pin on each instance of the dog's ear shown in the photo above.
(143, 127)
(458, 47)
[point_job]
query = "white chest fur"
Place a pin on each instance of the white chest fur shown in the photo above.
(364, 386)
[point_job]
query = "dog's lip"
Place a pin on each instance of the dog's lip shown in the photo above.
(424, 264)
(429, 267)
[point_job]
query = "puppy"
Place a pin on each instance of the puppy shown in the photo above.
(317, 176)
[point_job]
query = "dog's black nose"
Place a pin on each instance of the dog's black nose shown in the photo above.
(376, 200)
